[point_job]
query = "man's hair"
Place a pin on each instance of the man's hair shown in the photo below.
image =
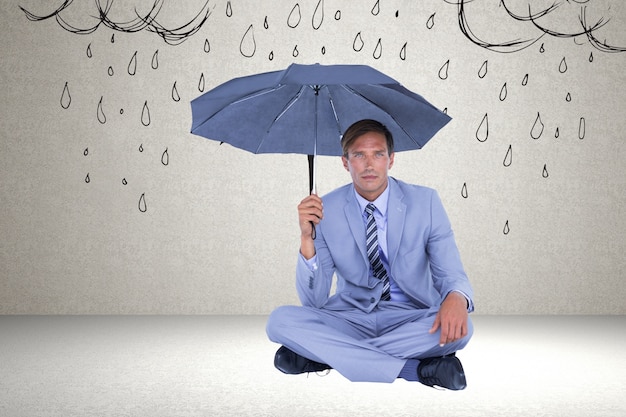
(362, 127)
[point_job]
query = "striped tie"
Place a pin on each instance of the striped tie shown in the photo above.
(371, 233)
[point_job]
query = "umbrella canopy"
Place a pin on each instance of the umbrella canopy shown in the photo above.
(305, 109)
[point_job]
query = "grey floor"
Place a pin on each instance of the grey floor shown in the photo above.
(222, 366)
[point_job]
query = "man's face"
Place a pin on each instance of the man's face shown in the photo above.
(368, 162)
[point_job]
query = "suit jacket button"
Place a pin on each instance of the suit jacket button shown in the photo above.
(372, 300)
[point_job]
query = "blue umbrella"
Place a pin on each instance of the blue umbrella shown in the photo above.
(304, 109)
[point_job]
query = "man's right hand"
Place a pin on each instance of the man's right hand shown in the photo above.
(310, 210)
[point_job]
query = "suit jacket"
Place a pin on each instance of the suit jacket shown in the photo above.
(422, 253)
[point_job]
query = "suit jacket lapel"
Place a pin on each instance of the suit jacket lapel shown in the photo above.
(396, 216)
(354, 217)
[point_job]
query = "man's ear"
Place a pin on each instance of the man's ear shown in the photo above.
(345, 162)
(391, 159)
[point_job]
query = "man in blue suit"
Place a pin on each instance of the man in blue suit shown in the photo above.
(405, 319)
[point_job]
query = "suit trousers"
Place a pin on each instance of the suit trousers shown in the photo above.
(359, 345)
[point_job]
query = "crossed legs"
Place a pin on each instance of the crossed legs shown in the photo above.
(361, 346)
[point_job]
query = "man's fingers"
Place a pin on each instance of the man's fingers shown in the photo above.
(443, 338)
(312, 200)
(310, 215)
(436, 324)
(452, 332)
(310, 209)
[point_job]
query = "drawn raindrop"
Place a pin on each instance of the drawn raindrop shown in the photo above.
(338, 15)
(141, 147)
(110, 71)
(503, 92)
(201, 83)
(132, 64)
(87, 179)
(124, 182)
(464, 190)
(121, 111)
(431, 21)
(568, 97)
(483, 70)
(271, 56)
(506, 229)
(443, 71)
(100, 112)
(556, 133)
(265, 23)
(207, 46)
(295, 51)
(89, 54)
(591, 57)
(397, 13)
(378, 50)
(175, 95)
(165, 157)
(155, 60)
(358, 43)
(229, 9)
(544, 173)
(323, 50)
(581, 128)
(318, 15)
(293, 20)
(247, 46)
(525, 80)
(66, 98)
(563, 66)
(113, 38)
(145, 114)
(376, 8)
(403, 52)
(537, 128)
(142, 203)
(542, 49)
(86, 151)
(508, 158)
(482, 133)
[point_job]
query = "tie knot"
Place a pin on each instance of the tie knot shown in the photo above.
(370, 208)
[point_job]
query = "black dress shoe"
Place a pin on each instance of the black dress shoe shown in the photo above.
(445, 372)
(289, 362)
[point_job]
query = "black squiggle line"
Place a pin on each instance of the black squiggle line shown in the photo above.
(601, 46)
(533, 19)
(182, 33)
(516, 45)
(509, 46)
(56, 14)
(148, 22)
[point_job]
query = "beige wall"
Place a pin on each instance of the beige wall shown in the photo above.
(219, 232)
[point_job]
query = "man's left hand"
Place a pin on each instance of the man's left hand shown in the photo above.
(451, 318)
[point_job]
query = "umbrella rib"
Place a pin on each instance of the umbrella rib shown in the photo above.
(332, 106)
(250, 96)
(351, 90)
(284, 110)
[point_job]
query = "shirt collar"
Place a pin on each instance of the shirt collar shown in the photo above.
(380, 202)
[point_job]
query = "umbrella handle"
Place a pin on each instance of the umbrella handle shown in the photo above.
(312, 187)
